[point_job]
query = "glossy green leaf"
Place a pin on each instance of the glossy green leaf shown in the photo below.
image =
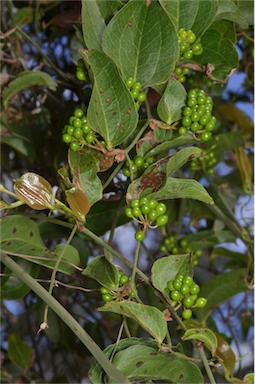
(226, 357)
(228, 10)
(12, 287)
(205, 335)
(181, 12)
(23, 16)
(180, 158)
(219, 289)
(173, 99)
(142, 41)
(204, 17)
(140, 362)
(111, 111)
(103, 271)
(20, 145)
(108, 8)
(19, 352)
(27, 79)
(246, 8)
(151, 319)
(182, 189)
(167, 268)
(241, 258)
(175, 143)
(84, 168)
(208, 238)
(218, 48)
(21, 236)
(93, 24)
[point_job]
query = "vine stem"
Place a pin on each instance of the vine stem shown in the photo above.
(54, 272)
(206, 365)
(113, 373)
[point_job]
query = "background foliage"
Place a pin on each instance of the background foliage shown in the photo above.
(41, 43)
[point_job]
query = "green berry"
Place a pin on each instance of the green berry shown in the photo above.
(186, 314)
(187, 302)
(78, 133)
(128, 213)
(134, 93)
(78, 113)
(152, 215)
(205, 136)
(107, 297)
(201, 302)
(134, 203)
(188, 280)
(124, 279)
(182, 131)
(90, 138)
(186, 121)
(187, 111)
(80, 74)
(86, 128)
(140, 236)
(74, 146)
(141, 97)
(177, 284)
(104, 290)
(136, 212)
(137, 86)
(194, 289)
(67, 138)
(145, 209)
(152, 203)
(170, 285)
(138, 161)
(142, 201)
(76, 123)
(175, 295)
(129, 82)
(161, 220)
(161, 208)
(185, 289)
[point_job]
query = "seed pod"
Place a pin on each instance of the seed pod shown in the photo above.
(78, 201)
(34, 191)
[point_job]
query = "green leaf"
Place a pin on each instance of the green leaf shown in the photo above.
(103, 271)
(202, 334)
(228, 10)
(204, 17)
(111, 111)
(108, 8)
(93, 24)
(175, 143)
(180, 158)
(226, 357)
(219, 289)
(20, 145)
(181, 12)
(182, 189)
(149, 318)
(23, 16)
(84, 168)
(143, 363)
(142, 41)
(246, 8)
(12, 287)
(208, 238)
(237, 257)
(170, 105)
(218, 48)
(224, 141)
(21, 236)
(19, 352)
(167, 268)
(26, 80)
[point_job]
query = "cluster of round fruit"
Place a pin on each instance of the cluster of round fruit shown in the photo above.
(197, 115)
(206, 162)
(146, 212)
(183, 291)
(189, 46)
(174, 247)
(109, 295)
(137, 166)
(81, 71)
(135, 88)
(78, 132)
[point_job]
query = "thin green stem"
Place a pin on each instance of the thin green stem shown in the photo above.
(206, 365)
(140, 133)
(137, 250)
(115, 375)
(113, 174)
(54, 272)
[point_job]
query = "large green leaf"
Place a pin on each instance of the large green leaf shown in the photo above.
(175, 143)
(19, 352)
(167, 268)
(173, 99)
(181, 12)
(27, 79)
(246, 8)
(180, 158)
(103, 271)
(204, 17)
(219, 49)
(11, 286)
(228, 10)
(93, 24)
(142, 41)
(144, 363)
(182, 189)
(149, 318)
(111, 110)
(219, 289)
(84, 168)
(20, 236)
(226, 357)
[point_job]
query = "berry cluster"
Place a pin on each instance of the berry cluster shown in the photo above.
(146, 212)
(137, 166)
(189, 46)
(205, 162)
(135, 88)
(81, 71)
(197, 115)
(78, 132)
(183, 291)
(174, 247)
(121, 293)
